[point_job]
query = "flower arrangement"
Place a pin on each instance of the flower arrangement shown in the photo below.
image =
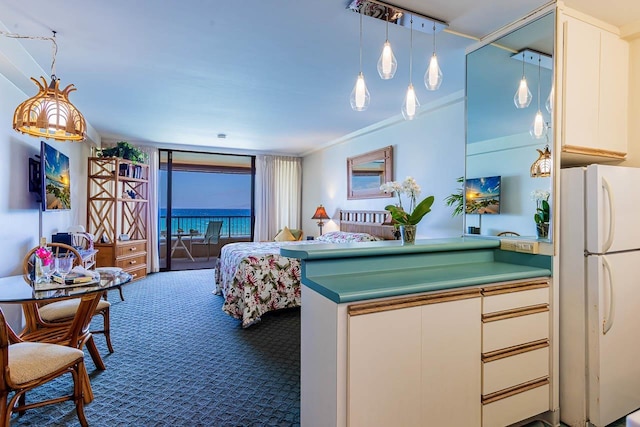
(541, 197)
(45, 255)
(411, 189)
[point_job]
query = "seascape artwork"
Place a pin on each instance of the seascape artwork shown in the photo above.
(56, 180)
(482, 195)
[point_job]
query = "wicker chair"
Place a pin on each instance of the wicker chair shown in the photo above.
(56, 313)
(27, 365)
(508, 233)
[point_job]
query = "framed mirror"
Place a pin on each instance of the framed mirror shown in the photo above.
(367, 172)
(502, 144)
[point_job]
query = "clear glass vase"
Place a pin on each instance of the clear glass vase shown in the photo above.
(408, 234)
(542, 230)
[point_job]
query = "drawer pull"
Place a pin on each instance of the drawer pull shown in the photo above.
(133, 262)
(511, 391)
(516, 312)
(134, 275)
(133, 248)
(514, 351)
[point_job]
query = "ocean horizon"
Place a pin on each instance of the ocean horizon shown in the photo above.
(205, 212)
(235, 222)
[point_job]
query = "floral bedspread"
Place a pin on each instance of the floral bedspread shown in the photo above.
(254, 278)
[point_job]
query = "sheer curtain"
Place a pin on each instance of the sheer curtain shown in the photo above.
(153, 260)
(278, 195)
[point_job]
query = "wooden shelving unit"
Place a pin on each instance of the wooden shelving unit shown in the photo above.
(117, 208)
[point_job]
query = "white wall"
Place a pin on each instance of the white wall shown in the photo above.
(19, 214)
(430, 148)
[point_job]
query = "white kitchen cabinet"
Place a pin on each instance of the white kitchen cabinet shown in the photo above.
(415, 363)
(595, 80)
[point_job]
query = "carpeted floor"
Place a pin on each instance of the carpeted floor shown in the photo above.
(180, 361)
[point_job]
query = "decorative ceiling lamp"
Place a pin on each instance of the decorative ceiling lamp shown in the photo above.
(541, 168)
(360, 94)
(550, 99)
(411, 103)
(49, 114)
(387, 63)
(538, 129)
(523, 96)
(433, 75)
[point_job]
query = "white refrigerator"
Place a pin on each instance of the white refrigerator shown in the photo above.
(599, 287)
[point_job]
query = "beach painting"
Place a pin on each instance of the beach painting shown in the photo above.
(56, 180)
(482, 195)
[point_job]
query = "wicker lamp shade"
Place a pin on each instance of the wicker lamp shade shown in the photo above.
(50, 114)
(541, 168)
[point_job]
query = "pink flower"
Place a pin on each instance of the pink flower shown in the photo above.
(45, 255)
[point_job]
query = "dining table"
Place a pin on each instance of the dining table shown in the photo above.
(20, 289)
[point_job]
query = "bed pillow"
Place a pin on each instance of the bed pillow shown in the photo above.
(284, 236)
(344, 237)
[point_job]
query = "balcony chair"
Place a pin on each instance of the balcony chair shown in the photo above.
(211, 236)
(27, 365)
(59, 312)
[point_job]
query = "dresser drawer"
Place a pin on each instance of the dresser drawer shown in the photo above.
(132, 262)
(512, 370)
(513, 300)
(513, 331)
(139, 272)
(130, 248)
(516, 407)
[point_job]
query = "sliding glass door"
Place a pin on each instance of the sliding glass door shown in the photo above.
(206, 201)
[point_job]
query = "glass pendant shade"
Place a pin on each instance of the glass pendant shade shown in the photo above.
(433, 75)
(523, 96)
(411, 104)
(541, 168)
(360, 94)
(50, 114)
(387, 64)
(538, 128)
(550, 100)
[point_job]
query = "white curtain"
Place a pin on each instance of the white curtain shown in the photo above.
(278, 195)
(153, 260)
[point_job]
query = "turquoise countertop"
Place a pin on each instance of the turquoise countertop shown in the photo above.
(363, 271)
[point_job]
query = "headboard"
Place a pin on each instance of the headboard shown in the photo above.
(371, 222)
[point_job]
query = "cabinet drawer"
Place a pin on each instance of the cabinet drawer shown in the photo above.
(508, 301)
(517, 407)
(126, 249)
(512, 331)
(132, 262)
(139, 272)
(513, 370)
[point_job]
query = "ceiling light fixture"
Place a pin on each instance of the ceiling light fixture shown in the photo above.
(523, 96)
(49, 114)
(411, 103)
(541, 168)
(387, 63)
(550, 99)
(538, 127)
(433, 75)
(360, 94)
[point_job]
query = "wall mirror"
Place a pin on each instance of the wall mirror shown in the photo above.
(367, 172)
(500, 146)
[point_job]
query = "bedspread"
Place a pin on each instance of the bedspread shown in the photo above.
(254, 278)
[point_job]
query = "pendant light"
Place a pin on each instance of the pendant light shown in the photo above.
(387, 64)
(360, 94)
(433, 75)
(538, 128)
(523, 96)
(541, 168)
(411, 103)
(550, 99)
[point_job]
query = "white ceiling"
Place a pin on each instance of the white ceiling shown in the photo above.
(275, 76)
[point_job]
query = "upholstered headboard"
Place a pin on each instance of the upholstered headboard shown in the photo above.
(371, 222)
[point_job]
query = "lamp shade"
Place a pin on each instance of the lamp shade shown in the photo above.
(49, 114)
(320, 213)
(541, 168)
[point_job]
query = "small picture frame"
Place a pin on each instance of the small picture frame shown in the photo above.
(124, 237)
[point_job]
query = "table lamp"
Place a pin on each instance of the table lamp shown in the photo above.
(320, 215)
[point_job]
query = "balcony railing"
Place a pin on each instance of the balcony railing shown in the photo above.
(232, 226)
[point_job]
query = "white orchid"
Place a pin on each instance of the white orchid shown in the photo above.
(411, 189)
(537, 195)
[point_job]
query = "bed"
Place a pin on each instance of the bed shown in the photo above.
(253, 278)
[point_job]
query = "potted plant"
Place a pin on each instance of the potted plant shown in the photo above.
(407, 220)
(456, 199)
(124, 150)
(542, 215)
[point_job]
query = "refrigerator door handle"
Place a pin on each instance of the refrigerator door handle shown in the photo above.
(612, 225)
(607, 322)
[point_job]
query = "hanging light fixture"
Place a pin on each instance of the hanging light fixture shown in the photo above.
(433, 75)
(550, 99)
(387, 63)
(49, 114)
(541, 168)
(538, 128)
(411, 103)
(360, 94)
(523, 96)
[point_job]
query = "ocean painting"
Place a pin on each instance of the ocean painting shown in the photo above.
(482, 195)
(57, 186)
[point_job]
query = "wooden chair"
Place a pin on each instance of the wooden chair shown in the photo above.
(47, 315)
(211, 236)
(27, 365)
(508, 233)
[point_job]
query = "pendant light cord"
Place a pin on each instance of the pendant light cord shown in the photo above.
(54, 46)
(411, 50)
(360, 43)
(539, 61)
(434, 38)
(387, 29)
(523, 65)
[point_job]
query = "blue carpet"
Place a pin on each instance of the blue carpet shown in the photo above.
(180, 361)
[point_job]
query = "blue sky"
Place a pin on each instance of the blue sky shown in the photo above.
(207, 190)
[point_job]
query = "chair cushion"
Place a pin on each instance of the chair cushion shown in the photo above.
(284, 236)
(65, 309)
(29, 361)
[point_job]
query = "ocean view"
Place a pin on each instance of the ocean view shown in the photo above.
(235, 222)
